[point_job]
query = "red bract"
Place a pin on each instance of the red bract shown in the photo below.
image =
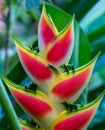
(46, 30)
(57, 46)
(35, 66)
(59, 50)
(56, 86)
(68, 87)
(78, 120)
(36, 104)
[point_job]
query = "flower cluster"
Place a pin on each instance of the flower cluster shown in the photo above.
(52, 105)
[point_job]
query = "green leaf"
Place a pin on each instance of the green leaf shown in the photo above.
(79, 8)
(97, 34)
(95, 13)
(17, 73)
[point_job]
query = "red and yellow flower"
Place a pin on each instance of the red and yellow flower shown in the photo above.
(45, 105)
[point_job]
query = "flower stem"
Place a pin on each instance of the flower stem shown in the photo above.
(7, 106)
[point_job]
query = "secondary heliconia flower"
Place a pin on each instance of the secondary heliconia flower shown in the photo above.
(51, 105)
(42, 111)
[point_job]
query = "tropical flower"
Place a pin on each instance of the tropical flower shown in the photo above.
(52, 105)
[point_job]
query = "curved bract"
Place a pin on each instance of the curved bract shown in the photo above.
(59, 50)
(77, 120)
(35, 66)
(46, 30)
(68, 87)
(56, 46)
(36, 104)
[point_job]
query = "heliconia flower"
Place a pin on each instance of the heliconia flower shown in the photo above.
(35, 66)
(59, 50)
(36, 104)
(46, 30)
(77, 120)
(68, 87)
(57, 88)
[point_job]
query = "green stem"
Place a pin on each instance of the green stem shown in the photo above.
(7, 106)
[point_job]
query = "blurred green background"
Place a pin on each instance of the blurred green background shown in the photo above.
(21, 17)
